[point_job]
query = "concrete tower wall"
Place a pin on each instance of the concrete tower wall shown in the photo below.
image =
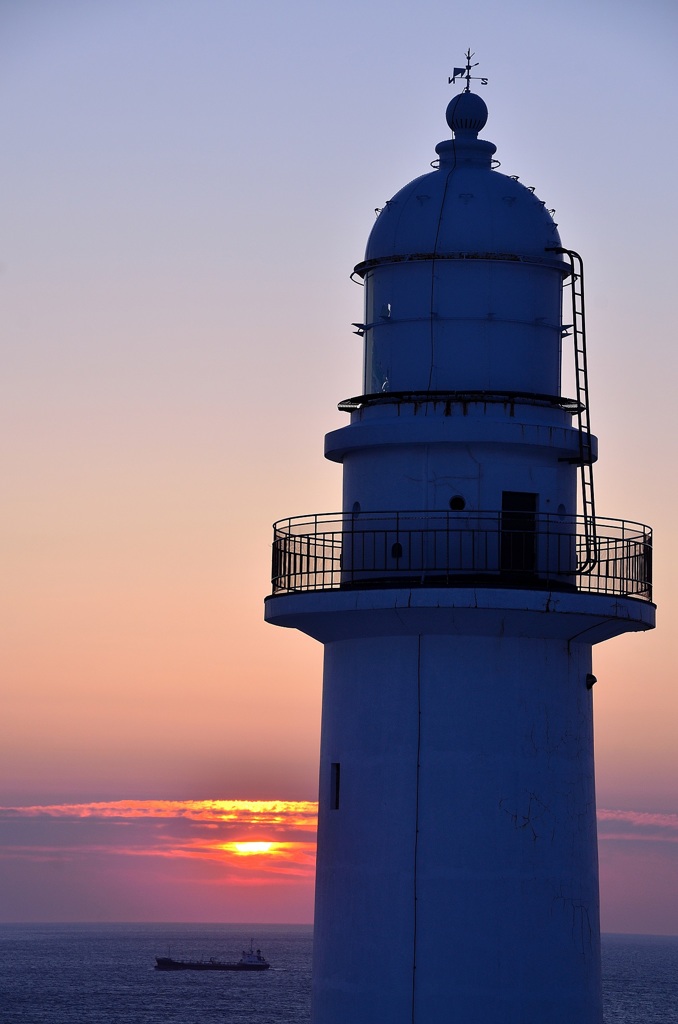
(457, 834)
(427, 476)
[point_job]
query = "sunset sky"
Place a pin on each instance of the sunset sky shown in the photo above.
(185, 188)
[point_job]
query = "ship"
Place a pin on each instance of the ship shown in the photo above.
(251, 960)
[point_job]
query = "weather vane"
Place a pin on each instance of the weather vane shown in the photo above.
(466, 73)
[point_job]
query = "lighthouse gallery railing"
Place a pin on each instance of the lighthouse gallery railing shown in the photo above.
(389, 549)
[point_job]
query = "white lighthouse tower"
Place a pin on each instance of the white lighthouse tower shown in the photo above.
(458, 595)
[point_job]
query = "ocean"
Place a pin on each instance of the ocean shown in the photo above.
(103, 974)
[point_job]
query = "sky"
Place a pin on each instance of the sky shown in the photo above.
(184, 190)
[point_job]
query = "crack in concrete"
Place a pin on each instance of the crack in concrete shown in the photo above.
(582, 931)
(536, 810)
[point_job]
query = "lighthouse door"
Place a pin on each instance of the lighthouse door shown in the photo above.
(518, 552)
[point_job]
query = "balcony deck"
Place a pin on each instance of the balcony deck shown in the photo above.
(377, 550)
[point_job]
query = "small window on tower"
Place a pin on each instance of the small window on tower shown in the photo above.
(335, 772)
(457, 503)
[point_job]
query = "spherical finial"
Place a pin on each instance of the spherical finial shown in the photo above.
(466, 112)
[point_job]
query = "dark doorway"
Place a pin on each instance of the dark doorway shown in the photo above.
(518, 531)
(335, 773)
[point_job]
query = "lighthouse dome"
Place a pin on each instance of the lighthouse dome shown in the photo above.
(464, 205)
(461, 290)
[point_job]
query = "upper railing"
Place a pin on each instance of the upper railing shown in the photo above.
(461, 549)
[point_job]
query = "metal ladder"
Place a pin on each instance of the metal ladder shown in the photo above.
(585, 460)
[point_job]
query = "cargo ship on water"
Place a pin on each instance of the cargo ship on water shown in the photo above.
(251, 960)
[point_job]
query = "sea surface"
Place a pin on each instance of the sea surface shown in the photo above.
(103, 974)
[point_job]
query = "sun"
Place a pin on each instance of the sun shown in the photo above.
(248, 848)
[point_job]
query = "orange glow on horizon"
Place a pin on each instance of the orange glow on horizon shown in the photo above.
(207, 859)
(247, 842)
(292, 813)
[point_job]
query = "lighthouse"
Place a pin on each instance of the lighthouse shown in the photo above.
(458, 595)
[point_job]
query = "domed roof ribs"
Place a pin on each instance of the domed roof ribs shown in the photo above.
(433, 274)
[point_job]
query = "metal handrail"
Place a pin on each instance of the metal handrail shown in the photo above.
(471, 548)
